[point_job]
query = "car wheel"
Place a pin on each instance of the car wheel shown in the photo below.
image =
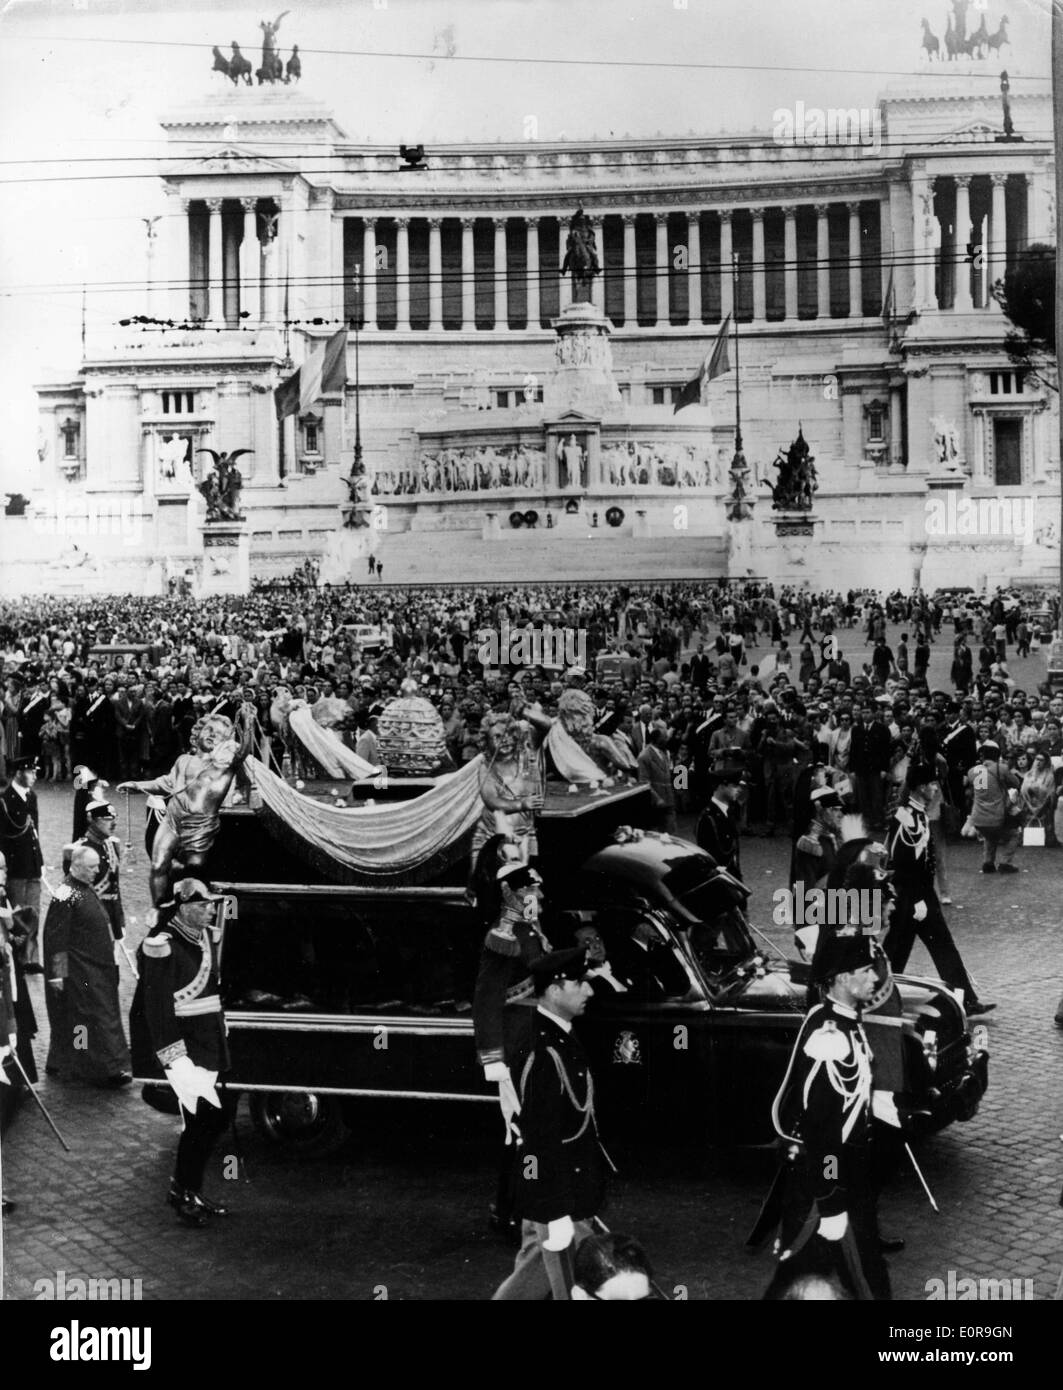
(299, 1123)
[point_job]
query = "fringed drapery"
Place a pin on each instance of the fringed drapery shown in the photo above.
(569, 758)
(398, 842)
(327, 749)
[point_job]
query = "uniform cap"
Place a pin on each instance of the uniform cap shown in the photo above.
(558, 965)
(100, 808)
(840, 955)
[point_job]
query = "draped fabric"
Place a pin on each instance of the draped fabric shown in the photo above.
(327, 748)
(569, 758)
(400, 842)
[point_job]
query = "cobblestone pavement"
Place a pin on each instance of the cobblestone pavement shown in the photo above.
(400, 1213)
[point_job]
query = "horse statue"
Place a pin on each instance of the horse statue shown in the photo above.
(235, 67)
(930, 43)
(977, 46)
(797, 478)
(997, 41)
(581, 256)
(272, 69)
(293, 69)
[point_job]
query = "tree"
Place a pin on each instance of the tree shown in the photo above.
(1027, 296)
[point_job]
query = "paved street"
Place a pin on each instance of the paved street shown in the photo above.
(401, 1212)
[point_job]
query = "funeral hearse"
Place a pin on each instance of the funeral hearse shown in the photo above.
(341, 992)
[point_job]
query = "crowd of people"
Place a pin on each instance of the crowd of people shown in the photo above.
(735, 701)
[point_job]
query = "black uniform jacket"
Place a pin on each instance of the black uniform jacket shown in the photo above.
(18, 833)
(176, 1010)
(560, 1166)
(717, 834)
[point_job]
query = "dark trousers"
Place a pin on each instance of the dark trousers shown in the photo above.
(934, 933)
(201, 1132)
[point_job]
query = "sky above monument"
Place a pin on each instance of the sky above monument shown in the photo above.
(85, 82)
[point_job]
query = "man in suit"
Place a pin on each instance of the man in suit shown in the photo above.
(718, 826)
(98, 724)
(869, 759)
(838, 669)
(640, 732)
(560, 1166)
(655, 768)
(19, 841)
(959, 744)
(700, 668)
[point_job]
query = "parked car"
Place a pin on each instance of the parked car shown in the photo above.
(337, 993)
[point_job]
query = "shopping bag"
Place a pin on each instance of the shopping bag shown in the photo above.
(1033, 834)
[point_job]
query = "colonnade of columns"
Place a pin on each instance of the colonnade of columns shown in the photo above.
(505, 282)
(966, 230)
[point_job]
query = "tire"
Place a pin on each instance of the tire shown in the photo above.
(309, 1125)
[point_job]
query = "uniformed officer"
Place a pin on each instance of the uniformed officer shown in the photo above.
(101, 819)
(502, 1009)
(918, 911)
(560, 1164)
(829, 1221)
(178, 1031)
(718, 826)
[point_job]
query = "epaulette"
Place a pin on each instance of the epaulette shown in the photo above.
(904, 817)
(827, 1044)
(157, 947)
(501, 942)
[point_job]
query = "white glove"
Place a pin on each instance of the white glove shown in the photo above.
(496, 1071)
(919, 911)
(191, 1082)
(559, 1234)
(834, 1227)
(4, 1051)
(884, 1108)
(510, 1103)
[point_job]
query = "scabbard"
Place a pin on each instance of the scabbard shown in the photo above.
(770, 1214)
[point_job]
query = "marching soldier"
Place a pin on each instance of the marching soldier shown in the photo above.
(918, 910)
(101, 820)
(20, 842)
(178, 1031)
(560, 1163)
(829, 1220)
(504, 987)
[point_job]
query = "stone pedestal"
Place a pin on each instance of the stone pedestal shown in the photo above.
(226, 565)
(582, 379)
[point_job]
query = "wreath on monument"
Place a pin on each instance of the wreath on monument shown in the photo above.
(531, 518)
(614, 516)
(516, 520)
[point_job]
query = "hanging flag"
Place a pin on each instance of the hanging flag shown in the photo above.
(716, 363)
(324, 371)
(889, 303)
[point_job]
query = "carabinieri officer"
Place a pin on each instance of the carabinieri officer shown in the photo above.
(178, 1031)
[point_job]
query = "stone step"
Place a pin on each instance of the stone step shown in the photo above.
(542, 556)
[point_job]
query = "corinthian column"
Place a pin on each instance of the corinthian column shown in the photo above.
(790, 256)
(598, 283)
(435, 275)
(631, 280)
(534, 299)
(402, 274)
(998, 234)
(661, 268)
(369, 273)
(216, 287)
(856, 289)
(501, 311)
(759, 267)
(726, 265)
(961, 236)
(468, 275)
(249, 263)
(823, 261)
(694, 267)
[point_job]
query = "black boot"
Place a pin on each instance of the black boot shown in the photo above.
(189, 1212)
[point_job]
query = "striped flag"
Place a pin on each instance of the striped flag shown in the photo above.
(324, 371)
(716, 363)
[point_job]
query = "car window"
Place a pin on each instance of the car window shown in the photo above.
(336, 955)
(631, 957)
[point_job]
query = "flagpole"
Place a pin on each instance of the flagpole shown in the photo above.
(738, 373)
(357, 467)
